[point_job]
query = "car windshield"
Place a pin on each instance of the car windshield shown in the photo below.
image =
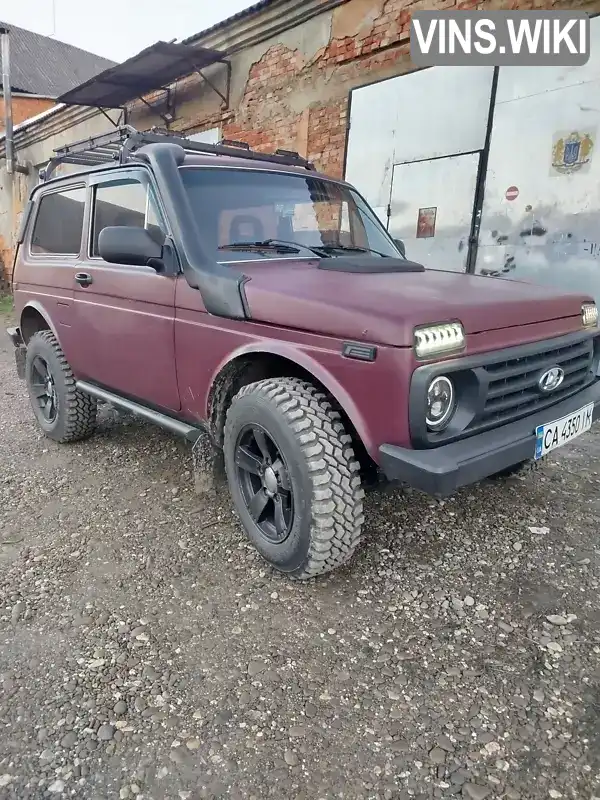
(249, 214)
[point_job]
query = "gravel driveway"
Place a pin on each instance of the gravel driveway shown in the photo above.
(147, 652)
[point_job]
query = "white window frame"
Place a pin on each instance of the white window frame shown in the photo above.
(210, 136)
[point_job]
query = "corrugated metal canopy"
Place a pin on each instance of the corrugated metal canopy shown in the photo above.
(154, 68)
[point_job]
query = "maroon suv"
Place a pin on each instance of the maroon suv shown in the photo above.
(212, 288)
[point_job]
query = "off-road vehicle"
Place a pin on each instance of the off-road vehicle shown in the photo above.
(213, 288)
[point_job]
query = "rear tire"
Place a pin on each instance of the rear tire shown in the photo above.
(63, 412)
(285, 430)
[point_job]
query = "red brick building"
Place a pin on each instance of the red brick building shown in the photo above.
(333, 79)
(294, 65)
(25, 106)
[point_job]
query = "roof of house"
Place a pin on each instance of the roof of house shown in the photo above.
(44, 66)
(246, 12)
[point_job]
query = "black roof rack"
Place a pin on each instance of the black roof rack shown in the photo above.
(120, 145)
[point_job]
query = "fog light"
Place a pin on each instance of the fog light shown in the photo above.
(589, 315)
(440, 403)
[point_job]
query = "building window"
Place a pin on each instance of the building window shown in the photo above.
(211, 136)
(59, 223)
(125, 203)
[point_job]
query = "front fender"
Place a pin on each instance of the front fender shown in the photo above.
(321, 373)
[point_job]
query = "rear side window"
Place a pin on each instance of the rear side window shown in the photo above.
(126, 202)
(59, 223)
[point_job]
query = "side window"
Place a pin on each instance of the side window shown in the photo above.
(127, 202)
(59, 223)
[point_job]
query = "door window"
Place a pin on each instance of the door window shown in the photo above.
(125, 203)
(59, 223)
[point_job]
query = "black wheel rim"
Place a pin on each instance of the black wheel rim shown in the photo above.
(265, 483)
(43, 389)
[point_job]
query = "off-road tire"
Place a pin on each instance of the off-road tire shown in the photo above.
(518, 470)
(323, 471)
(76, 417)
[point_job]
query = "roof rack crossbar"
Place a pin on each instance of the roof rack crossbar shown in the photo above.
(120, 145)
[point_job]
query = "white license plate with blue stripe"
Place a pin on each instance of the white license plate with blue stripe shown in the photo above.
(554, 434)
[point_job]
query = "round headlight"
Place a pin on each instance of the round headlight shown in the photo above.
(441, 402)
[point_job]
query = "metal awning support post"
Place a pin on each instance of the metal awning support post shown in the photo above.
(122, 117)
(169, 115)
(224, 97)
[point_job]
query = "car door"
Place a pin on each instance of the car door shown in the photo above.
(125, 314)
(49, 258)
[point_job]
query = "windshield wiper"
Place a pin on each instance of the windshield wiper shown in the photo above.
(268, 244)
(280, 245)
(324, 250)
(352, 249)
(287, 246)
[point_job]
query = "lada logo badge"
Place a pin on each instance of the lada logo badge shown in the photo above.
(551, 379)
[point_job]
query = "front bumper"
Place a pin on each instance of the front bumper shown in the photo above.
(442, 470)
(14, 334)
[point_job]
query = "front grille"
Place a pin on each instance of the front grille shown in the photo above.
(512, 389)
(500, 387)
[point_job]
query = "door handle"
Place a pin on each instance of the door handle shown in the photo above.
(83, 278)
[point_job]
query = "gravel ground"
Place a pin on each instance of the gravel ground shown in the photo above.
(147, 652)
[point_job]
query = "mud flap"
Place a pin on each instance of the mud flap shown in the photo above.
(14, 334)
(20, 355)
(209, 467)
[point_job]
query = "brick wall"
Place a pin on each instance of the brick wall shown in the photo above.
(369, 42)
(23, 108)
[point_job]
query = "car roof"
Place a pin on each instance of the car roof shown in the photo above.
(192, 160)
(209, 160)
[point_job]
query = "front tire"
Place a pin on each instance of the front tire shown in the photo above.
(293, 476)
(63, 412)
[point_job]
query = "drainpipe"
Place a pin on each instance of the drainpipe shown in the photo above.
(11, 165)
(6, 91)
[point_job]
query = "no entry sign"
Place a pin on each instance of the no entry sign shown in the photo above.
(511, 193)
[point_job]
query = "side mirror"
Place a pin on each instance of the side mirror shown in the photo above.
(400, 245)
(130, 245)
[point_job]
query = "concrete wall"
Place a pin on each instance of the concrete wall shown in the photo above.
(35, 144)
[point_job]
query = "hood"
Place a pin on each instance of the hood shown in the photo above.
(385, 307)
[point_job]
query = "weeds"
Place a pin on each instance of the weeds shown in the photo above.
(6, 304)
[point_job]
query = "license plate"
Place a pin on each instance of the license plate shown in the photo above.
(554, 434)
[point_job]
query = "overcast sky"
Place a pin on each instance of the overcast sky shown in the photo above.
(117, 29)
